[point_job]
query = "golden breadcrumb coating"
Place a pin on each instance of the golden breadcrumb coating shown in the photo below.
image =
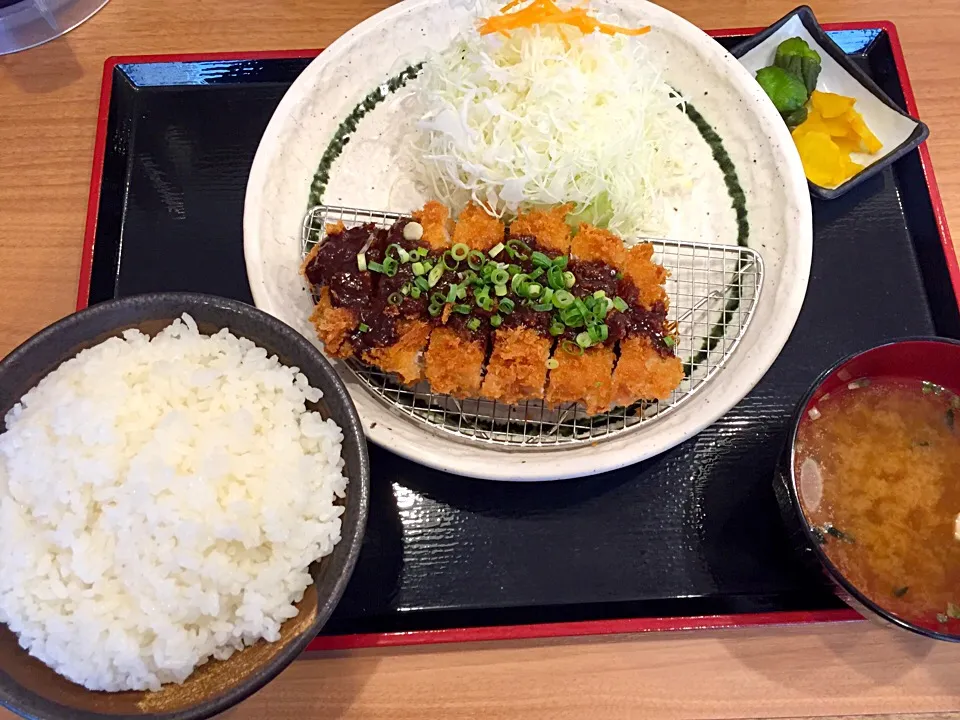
(518, 366)
(333, 325)
(647, 276)
(403, 357)
(454, 363)
(477, 230)
(437, 225)
(548, 227)
(586, 378)
(595, 245)
(644, 374)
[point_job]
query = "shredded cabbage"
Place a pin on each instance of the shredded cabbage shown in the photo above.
(548, 115)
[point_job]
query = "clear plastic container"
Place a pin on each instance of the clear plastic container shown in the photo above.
(27, 23)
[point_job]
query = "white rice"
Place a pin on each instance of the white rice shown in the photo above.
(160, 504)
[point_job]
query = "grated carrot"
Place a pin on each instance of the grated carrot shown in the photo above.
(545, 12)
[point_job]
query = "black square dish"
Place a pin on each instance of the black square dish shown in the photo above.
(846, 64)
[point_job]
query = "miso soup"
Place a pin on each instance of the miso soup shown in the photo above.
(878, 474)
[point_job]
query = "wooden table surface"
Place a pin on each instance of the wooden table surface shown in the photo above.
(48, 110)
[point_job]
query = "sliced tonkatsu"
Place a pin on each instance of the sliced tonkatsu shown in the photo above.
(521, 345)
(480, 310)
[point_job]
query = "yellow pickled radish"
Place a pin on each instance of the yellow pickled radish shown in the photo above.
(833, 131)
(831, 105)
(871, 143)
(823, 162)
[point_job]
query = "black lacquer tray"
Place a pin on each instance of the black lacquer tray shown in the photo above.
(689, 539)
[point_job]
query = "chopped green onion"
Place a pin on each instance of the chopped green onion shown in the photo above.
(506, 305)
(583, 340)
(438, 298)
(435, 310)
(571, 347)
(459, 251)
(452, 293)
(547, 296)
(496, 321)
(462, 309)
(519, 280)
(536, 274)
(598, 332)
(390, 266)
(406, 288)
(415, 292)
(499, 277)
(543, 307)
(541, 260)
(572, 317)
(569, 280)
(553, 364)
(486, 303)
(599, 294)
(448, 261)
(500, 290)
(375, 267)
(421, 282)
(364, 327)
(534, 290)
(514, 244)
(362, 262)
(469, 277)
(476, 259)
(395, 298)
(561, 262)
(619, 275)
(562, 299)
(669, 341)
(422, 252)
(496, 250)
(435, 275)
(582, 307)
(555, 278)
(557, 328)
(514, 269)
(620, 304)
(473, 324)
(418, 268)
(401, 254)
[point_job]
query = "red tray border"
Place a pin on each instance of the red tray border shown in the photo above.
(544, 630)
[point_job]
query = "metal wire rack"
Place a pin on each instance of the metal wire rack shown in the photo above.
(713, 291)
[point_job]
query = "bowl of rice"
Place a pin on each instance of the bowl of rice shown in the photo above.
(184, 486)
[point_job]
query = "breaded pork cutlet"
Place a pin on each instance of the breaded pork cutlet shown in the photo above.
(518, 362)
(442, 300)
(403, 357)
(477, 230)
(336, 315)
(437, 225)
(518, 366)
(586, 376)
(645, 371)
(454, 359)
(334, 325)
(548, 227)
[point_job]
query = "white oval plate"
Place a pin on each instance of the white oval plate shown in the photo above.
(368, 175)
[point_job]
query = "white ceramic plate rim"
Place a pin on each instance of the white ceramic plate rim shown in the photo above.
(402, 436)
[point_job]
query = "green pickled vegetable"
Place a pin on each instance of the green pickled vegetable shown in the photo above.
(787, 91)
(797, 117)
(799, 59)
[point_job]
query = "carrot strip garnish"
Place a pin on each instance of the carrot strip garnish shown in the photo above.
(546, 12)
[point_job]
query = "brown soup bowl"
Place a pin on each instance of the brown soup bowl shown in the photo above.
(936, 360)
